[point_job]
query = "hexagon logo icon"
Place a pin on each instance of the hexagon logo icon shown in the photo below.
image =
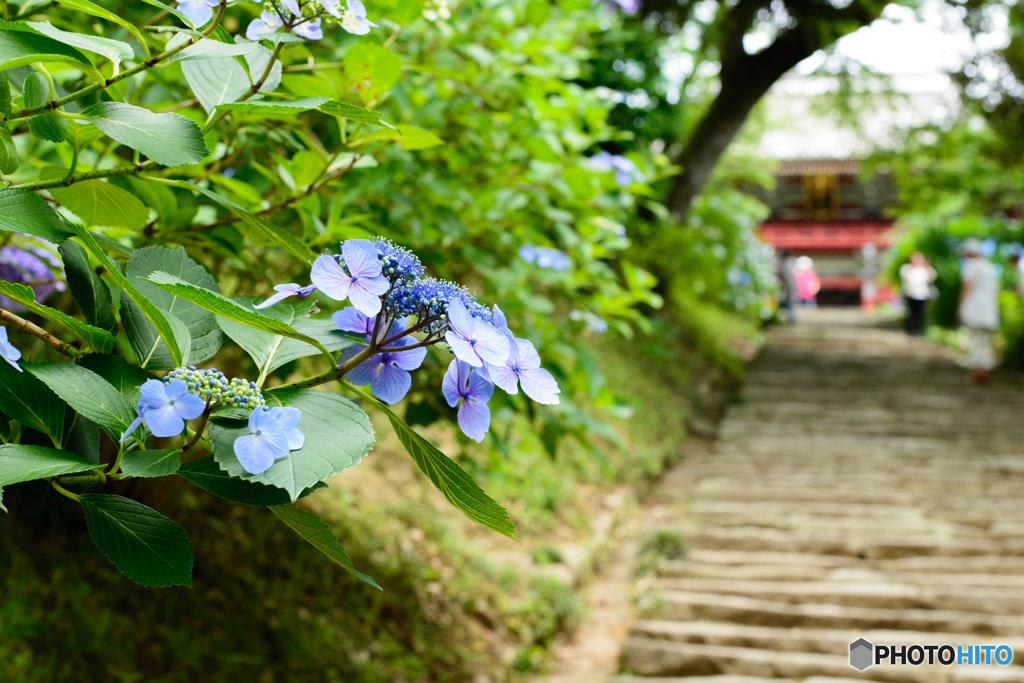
(861, 654)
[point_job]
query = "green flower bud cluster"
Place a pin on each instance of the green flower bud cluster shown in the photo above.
(212, 386)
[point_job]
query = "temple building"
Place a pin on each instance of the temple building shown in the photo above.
(824, 204)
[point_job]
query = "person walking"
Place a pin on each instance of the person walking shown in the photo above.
(787, 284)
(807, 281)
(978, 310)
(916, 277)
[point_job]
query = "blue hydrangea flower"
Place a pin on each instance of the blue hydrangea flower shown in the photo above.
(273, 434)
(165, 406)
(268, 22)
(523, 368)
(386, 373)
(285, 291)
(467, 389)
(398, 264)
(625, 170)
(473, 340)
(30, 262)
(310, 30)
(7, 350)
(362, 284)
(351, 320)
(293, 7)
(544, 257)
(198, 12)
(354, 19)
(429, 298)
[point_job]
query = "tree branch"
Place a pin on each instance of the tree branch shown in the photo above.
(71, 349)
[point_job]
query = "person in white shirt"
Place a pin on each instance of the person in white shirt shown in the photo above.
(917, 278)
(979, 309)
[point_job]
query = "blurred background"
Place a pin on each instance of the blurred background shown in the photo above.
(631, 180)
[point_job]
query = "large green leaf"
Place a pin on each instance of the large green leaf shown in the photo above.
(144, 545)
(94, 337)
(97, 11)
(151, 463)
(81, 436)
(98, 202)
(338, 434)
(289, 107)
(88, 393)
(48, 125)
(275, 234)
(114, 50)
(227, 308)
(271, 351)
(168, 139)
(409, 137)
(207, 48)
(206, 337)
(151, 312)
(9, 159)
(21, 45)
(216, 81)
(457, 486)
(207, 475)
(90, 291)
(24, 211)
(30, 402)
(150, 350)
(24, 463)
(119, 373)
(310, 527)
(5, 94)
(372, 69)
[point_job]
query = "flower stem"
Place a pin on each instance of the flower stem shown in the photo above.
(68, 349)
(63, 491)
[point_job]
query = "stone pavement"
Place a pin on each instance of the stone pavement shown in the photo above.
(859, 489)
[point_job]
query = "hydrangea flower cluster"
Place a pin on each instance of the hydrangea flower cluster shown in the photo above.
(30, 263)
(7, 350)
(544, 257)
(393, 301)
(305, 19)
(185, 393)
(626, 172)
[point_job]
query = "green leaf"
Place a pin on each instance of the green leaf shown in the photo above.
(338, 434)
(48, 125)
(148, 346)
(310, 527)
(207, 475)
(25, 463)
(5, 94)
(30, 402)
(271, 351)
(98, 202)
(372, 69)
(114, 50)
(278, 236)
(21, 45)
(216, 81)
(289, 107)
(206, 337)
(88, 393)
(119, 373)
(24, 211)
(170, 10)
(207, 48)
(168, 139)
(9, 159)
(156, 196)
(97, 11)
(82, 436)
(144, 545)
(94, 337)
(151, 463)
(409, 137)
(457, 486)
(226, 308)
(90, 291)
(151, 312)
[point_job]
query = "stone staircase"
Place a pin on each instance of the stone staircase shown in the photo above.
(860, 489)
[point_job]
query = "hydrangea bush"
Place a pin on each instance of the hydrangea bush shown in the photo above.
(124, 138)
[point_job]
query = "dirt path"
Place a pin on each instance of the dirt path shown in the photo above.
(861, 489)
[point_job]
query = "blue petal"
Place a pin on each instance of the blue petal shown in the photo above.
(190, 406)
(131, 428)
(258, 453)
(164, 421)
(474, 419)
(390, 383)
(154, 393)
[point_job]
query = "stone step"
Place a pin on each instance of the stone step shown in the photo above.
(869, 594)
(825, 641)
(650, 657)
(860, 525)
(786, 559)
(686, 606)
